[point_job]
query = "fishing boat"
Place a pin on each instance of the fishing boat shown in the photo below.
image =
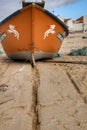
(32, 33)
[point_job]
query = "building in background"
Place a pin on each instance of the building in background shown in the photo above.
(85, 23)
(69, 23)
(78, 25)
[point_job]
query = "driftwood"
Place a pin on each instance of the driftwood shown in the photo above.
(84, 37)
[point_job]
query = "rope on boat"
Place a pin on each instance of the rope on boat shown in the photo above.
(33, 60)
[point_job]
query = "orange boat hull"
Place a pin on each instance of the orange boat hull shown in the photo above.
(32, 30)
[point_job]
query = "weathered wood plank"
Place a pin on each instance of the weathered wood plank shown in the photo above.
(16, 96)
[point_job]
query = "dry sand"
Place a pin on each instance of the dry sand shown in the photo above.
(51, 96)
(73, 41)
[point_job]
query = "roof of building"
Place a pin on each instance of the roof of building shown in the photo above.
(79, 20)
(65, 20)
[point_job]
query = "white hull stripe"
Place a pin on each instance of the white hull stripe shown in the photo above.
(26, 55)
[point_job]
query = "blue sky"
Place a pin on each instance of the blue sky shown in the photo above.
(65, 8)
(72, 10)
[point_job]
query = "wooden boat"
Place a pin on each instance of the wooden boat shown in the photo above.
(32, 33)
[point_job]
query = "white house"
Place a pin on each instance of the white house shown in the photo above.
(85, 23)
(78, 24)
(69, 23)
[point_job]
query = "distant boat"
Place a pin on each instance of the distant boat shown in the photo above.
(32, 33)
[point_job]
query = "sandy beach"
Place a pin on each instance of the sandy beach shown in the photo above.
(51, 96)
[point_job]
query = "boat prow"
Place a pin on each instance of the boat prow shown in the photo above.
(32, 31)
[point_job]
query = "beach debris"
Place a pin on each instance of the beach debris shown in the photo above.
(21, 69)
(85, 99)
(58, 55)
(84, 37)
(1, 103)
(80, 51)
(3, 87)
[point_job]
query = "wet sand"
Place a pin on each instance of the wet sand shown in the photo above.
(51, 96)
